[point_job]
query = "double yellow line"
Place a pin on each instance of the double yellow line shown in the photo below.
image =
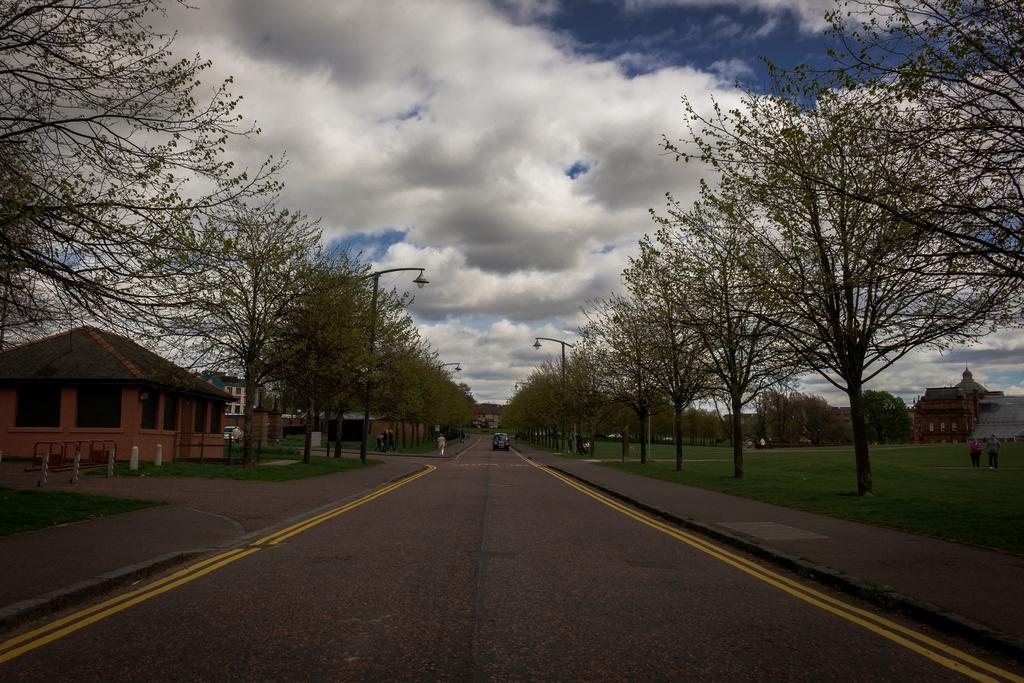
(64, 626)
(938, 652)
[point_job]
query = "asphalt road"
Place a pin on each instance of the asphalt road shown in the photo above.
(487, 568)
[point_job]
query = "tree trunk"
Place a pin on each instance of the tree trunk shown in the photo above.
(307, 445)
(677, 424)
(860, 442)
(250, 404)
(644, 417)
(737, 438)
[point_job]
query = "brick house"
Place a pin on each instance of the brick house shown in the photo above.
(90, 390)
(949, 414)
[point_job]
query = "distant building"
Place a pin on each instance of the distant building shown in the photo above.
(233, 386)
(487, 415)
(90, 390)
(966, 410)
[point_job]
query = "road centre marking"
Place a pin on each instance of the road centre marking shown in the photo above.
(945, 655)
(19, 645)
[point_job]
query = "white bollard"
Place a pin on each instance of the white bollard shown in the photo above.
(158, 459)
(43, 469)
(110, 462)
(133, 461)
(74, 467)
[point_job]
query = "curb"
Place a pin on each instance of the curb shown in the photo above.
(26, 610)
(939, 617)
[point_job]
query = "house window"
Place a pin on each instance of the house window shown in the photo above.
(942, 426)
(215, 419)
(99, 406)
(147, 405)
(931, 426)
(200, 422)
(170, 411)
(38, 406)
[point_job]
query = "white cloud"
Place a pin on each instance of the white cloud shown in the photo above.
(455, 123)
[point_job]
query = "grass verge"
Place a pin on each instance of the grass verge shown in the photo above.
(923, 489)
(26, 510)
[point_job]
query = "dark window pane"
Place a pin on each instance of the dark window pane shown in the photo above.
(99, 406)
(147, 403)
(200, 415)
(216, 410)
(170, 411)
(38, 406)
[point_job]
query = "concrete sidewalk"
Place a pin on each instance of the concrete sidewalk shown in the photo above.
(975, 592)
(48, 569)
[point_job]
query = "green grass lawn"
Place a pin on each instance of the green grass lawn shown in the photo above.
(297, 441)
(219, 469)
(29, 509)
(925, 489)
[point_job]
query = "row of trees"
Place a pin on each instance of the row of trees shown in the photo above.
(119, 204)
(851, 216)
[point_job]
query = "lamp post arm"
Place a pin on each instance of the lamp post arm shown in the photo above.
(376, 275)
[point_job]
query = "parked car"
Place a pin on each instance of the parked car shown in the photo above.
(500, 442)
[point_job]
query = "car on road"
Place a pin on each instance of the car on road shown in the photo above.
(500, 442)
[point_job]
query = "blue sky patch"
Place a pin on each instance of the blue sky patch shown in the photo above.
(577, 169)
(372, 245)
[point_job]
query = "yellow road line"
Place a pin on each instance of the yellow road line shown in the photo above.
(880, 625)
(112, 601)
(11, 654)
(303, 526)
(59, 628)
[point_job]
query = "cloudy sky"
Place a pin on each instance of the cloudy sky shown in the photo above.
(510, 147)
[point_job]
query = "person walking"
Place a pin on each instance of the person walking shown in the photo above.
(975, 450)
(993, 452)
(441, 443)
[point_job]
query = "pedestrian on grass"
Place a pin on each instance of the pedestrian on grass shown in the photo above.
(993, 452)
(441, 443)
(975, 450)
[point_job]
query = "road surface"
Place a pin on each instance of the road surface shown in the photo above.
(483, 567)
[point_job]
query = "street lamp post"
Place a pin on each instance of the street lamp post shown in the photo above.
(537, 345)
(458, 366)
(419, 281)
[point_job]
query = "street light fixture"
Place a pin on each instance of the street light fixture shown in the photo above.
(537, 345)
(458, 366)
(419, 282)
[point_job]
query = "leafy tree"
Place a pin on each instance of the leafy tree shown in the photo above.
(241, 299)
(679, 368)
(705, 250)
(887, 417)
(619, 332)
(319, 351)
(101, 132)
(849, 288)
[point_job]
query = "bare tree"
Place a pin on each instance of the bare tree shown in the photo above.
(100, 133)
(957, 71)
